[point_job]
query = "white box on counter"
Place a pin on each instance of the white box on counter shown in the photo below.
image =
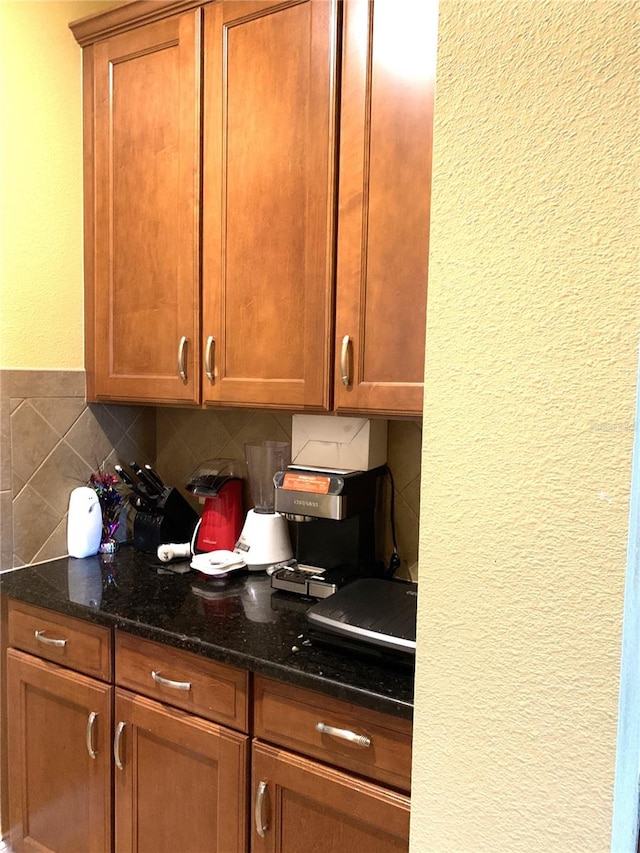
(350, 444)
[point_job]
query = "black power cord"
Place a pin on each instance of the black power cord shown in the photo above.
(394, 560)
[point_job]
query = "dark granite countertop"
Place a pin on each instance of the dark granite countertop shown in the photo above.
(244, 623)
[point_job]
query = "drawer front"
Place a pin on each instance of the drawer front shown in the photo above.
(212, 690)
(71, 642)
(367, 742)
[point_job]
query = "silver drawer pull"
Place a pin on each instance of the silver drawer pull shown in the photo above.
(182, 370)
(208, 359)
(344, 734)
(344, 362)
(89, 735)
(261, 826)
(116, 745)
(49, 641)
(167, 682)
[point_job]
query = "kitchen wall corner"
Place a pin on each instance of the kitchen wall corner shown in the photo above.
(51, 441)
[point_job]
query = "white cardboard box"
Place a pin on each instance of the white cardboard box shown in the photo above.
(351, 444)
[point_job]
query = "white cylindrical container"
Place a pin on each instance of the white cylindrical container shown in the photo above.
(84, 524)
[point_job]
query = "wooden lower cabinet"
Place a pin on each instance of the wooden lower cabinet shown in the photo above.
(300, 805)
(180, 781)
(59, 758)
(99, 768)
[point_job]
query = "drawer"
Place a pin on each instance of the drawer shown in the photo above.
(204, 687)
(328, 729)
(71, 642)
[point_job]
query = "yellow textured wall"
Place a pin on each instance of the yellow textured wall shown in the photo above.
(41, 323)
(533, 326)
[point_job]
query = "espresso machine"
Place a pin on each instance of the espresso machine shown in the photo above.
(334, 521)
(361, 608)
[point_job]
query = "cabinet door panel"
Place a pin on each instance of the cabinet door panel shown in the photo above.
(183, 785)
(146, 261)
(384, 205)
(310, 808)
(269, 177)
(59, 797)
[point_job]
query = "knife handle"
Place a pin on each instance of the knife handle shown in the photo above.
(128, 480)
(147, 482)
(155, 477)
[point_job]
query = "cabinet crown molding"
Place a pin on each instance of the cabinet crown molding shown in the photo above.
(102, 25)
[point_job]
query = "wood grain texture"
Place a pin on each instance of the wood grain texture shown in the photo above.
(4, 767)
(384, 206)
(119, 19)
(89, 221)
(184, 782)
(146, 145)
(218, 692)
(269, 183)
(309, 806)
(287, 715)
(60, 797)
(88, 647)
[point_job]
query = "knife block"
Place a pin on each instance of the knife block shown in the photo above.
(173, 519)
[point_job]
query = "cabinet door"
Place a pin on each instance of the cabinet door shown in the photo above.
(268, 195)
(59, 733)
(384, 204)
(180, 781)
(143, 308)
(300, 805)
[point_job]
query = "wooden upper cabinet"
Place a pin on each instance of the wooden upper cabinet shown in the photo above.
(142, 144)
(236, 251)
(270, 93)
(384, 205)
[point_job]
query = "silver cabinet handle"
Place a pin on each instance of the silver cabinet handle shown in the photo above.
(89, 734)
(167, 682)
(344, 734)
(208, 358)
(261, 825)
(116, 745)
(344, 362)
(48, 641)
(182, 348)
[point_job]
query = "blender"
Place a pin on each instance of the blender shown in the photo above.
(264, 540)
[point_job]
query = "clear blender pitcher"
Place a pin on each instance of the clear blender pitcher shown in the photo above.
(263, 460)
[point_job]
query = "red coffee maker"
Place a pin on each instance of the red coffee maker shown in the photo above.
(219, 483)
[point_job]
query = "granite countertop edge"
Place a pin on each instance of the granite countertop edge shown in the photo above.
(293, 659)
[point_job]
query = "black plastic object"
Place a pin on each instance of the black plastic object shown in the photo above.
(171, 519)
(210, 476)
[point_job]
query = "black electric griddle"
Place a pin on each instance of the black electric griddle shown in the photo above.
(369, 615)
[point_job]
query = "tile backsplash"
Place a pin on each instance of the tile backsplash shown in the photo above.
(51, 441)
